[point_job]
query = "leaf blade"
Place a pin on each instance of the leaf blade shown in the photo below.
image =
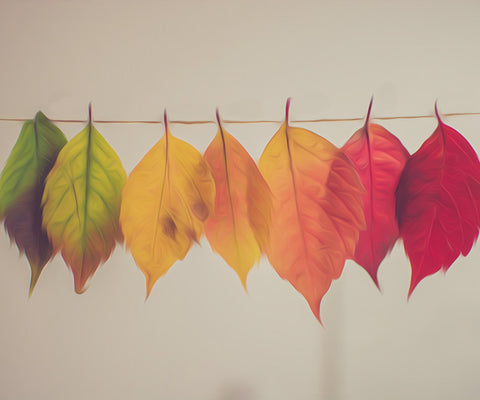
(379, 158)
(166, 199)
(82, 202)
(317, 212)
(239, 225)
(438, 202)
(21, 187)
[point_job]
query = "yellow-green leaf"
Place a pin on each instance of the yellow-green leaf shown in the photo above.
(81, 203)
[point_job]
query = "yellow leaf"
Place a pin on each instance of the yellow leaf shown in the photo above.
(165, 202)
(240, 223)
(81, 203)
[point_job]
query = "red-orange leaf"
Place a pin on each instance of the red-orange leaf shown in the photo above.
(317, 210)
(379, 158)
(438, 202)
(239, 225)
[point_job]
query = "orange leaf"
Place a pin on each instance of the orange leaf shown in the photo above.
(240, 223)
(317, 210)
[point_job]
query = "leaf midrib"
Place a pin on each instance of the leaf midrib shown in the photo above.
(164, 183)
(87, 187)
(294, 184)
(230, 201)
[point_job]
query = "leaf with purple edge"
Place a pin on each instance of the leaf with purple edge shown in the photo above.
(21, 188)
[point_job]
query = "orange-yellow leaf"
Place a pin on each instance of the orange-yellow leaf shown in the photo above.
(239, 225)
(165, 202)
(317, 210)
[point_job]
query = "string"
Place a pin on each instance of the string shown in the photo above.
(233, 121)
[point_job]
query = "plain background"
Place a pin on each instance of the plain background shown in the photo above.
(199, 335)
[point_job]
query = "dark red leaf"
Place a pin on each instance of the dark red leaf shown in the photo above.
(438, 202)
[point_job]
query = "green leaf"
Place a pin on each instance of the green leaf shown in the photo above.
(21, 189)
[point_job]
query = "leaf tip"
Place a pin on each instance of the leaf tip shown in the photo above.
(315, 307)
(319, 319)
(149, 286)
(243, 279)
(80, 281)
(40, 115)
(80, 290)
(373, 273)
(413, 285)
(35, 274)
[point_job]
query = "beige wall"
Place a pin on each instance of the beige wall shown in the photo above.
(199, 336)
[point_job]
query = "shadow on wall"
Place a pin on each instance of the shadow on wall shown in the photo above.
(237, 391)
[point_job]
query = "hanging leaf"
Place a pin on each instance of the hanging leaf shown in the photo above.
(317, 210)
(21, 188)
(82, 202)
(239, 225)
(438, 202)
(165, 202)
(379, 158)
